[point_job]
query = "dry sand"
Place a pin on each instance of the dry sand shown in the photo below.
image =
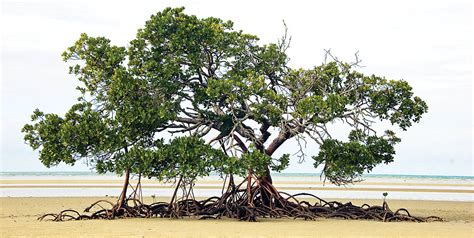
(18, 218)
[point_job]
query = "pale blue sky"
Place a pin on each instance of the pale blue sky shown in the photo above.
(427, 43)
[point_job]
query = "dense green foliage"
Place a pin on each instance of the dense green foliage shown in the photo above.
(236, 101)
(115, 113)
(348, 160)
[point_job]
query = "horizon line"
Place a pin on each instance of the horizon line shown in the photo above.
(273, 173)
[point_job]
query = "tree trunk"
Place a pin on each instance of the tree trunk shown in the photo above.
(175, 191)
(277, 142)
(123, 195)
(267, 177)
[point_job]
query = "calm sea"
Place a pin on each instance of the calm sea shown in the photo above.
(413, 187)
(365, 176)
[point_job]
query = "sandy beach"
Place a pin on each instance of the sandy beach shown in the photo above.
(18, 217)
(24, 198)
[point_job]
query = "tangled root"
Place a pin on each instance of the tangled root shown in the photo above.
(242, 204)
(100, 212)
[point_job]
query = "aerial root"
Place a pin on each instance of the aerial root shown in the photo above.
(235, 204)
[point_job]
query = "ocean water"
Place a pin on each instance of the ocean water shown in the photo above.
(302, 175)
(408, 187)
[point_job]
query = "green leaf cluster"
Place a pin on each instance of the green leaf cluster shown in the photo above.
(346, 161)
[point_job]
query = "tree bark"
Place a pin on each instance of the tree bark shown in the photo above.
(267, 177)
(276, 143)
(176, 190)
(123, 195)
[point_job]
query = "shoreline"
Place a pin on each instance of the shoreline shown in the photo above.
(78, 187)
(4, 182)
(278, 187)
(18, 218)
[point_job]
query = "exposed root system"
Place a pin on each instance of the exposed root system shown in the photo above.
(256, 200)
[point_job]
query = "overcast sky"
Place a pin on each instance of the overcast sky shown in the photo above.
(427, 43)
